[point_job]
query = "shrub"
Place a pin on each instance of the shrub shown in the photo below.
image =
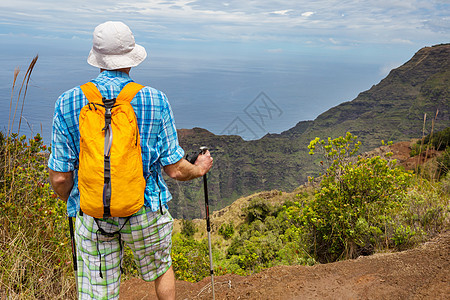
(443, 163)
(226, 230)
(190, 258)
(439, 140)
(274, 240)
(258, 209)
(402, 237)
(188, 228)
(426, 207)
(355, 201)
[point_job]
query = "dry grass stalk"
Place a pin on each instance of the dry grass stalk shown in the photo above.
(27, 77)
(25, 81)
(421, 143)
(16, 74)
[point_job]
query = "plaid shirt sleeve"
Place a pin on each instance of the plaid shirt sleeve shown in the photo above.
(63, 157)
(171, 152)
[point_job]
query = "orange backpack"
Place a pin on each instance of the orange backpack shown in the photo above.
(110, 176)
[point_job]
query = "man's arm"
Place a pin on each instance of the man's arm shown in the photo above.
(184, 170)
(62, 183)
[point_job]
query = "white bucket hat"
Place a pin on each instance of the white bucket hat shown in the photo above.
(113, 47)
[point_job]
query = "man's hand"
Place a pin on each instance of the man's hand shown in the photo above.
(62, 183)
(204, 161)
(184, 170)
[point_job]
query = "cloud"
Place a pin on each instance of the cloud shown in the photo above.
(333, 41)
(283, 12)
(401, 41)
(356, 22)
(307, 14)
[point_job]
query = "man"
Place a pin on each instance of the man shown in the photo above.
(148, 232)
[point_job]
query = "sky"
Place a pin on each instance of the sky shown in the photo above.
(232, 67)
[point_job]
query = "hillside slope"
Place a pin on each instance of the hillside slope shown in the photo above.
(235, 212)
(393, 110)
(421, 273)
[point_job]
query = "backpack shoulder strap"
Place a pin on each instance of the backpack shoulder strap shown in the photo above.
(91, 92)
(129, 91)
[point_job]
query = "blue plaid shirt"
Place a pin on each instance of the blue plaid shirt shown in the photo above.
(159, 141)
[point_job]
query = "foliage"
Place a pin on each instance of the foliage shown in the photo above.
(443, 163)
(350, 211)
(266, 241)
(402, 237)
(335, 151)
(426, 207)
(188, 228)
(226, 230)
(258, 209)
(34, 236)
(439, 140)
(368, 209)
(190, 259)
(129, 267)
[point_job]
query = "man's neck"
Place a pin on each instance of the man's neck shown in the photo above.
(124, 70)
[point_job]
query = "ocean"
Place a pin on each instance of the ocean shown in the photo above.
(250, 97)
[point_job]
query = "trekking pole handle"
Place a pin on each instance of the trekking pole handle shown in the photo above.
(192, 160)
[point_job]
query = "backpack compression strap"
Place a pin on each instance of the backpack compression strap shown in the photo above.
(93, 95)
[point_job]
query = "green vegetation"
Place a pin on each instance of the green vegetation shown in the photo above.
(226, 230)
(444, 163)
(349, 211)
(361, 205)
(354, 205)
(34, 236)
(34, 242)
(190, 258)
(188, 228)
(266, 241)
(438, 141)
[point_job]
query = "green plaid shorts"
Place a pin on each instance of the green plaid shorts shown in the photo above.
(147, 233)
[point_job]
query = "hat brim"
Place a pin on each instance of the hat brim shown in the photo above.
(113, 62)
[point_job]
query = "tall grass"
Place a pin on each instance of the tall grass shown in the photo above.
(426, 165)
(34, 243)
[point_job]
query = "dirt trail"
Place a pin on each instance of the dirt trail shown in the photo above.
(420, 273)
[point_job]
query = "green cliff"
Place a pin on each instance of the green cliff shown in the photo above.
(392, 110)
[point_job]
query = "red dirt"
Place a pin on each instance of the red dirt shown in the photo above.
(401, 152)
(420, 273)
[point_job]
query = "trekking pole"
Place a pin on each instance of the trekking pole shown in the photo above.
(74, 254)
(208, 223)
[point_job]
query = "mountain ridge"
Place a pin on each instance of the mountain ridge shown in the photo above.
(393, 109)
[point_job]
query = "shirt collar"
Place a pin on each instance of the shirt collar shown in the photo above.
(113, 74)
